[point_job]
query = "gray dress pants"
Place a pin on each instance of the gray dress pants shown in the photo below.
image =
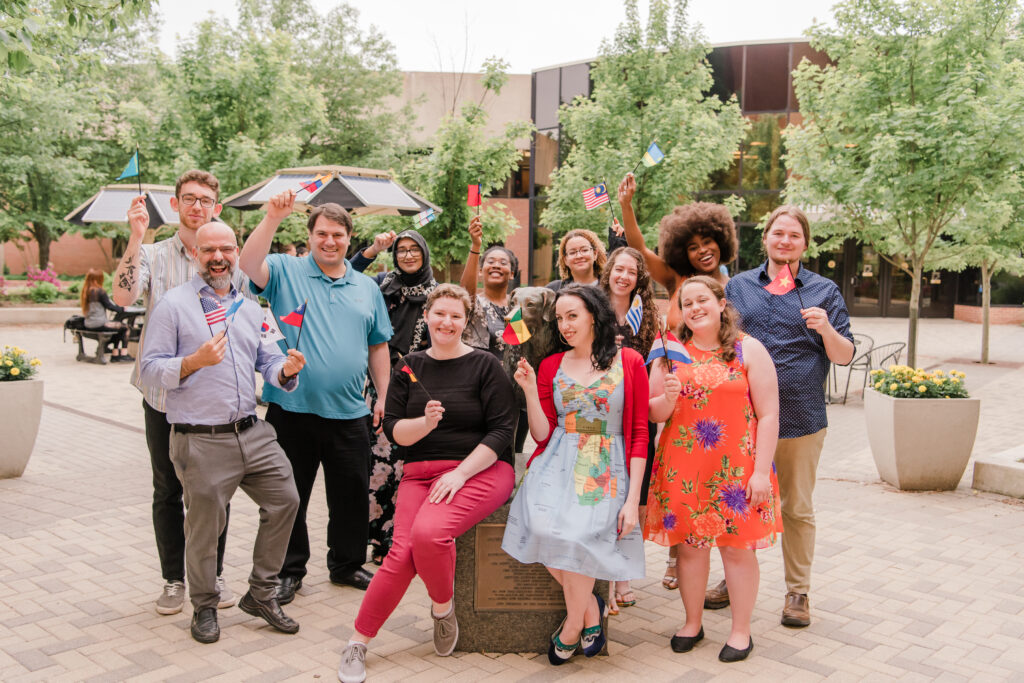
(211, 467)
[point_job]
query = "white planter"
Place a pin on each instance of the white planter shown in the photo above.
(921, 444)
(21, 406)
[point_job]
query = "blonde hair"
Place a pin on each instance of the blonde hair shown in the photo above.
(730, 327)
(600, 257)
(450, 291)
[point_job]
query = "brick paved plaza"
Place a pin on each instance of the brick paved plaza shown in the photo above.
(909, 586)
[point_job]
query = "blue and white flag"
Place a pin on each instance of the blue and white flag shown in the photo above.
(635, 314)
(424, 217)
(667, 345)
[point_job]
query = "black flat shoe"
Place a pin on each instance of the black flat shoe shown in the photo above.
(204, 625)
(286, 589)
(360, 579)
(731, 654)
(269, 611)
(686, 643)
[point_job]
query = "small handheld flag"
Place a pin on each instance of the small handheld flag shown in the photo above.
(424, 217)
(295, 317)
(594, 197)
(516, 331)
(212, 309)
(473, 195)
(316, 183)
(269, 334)
(412, 378)
(132, 169)
(783, 283)
(233, 308)
(635, 314)
(653, 155)
(667, 346)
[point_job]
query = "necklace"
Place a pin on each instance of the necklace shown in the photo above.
(716, 347)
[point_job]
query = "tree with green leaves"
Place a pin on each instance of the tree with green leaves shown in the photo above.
(462, 154)
(989, 237)
(916, 115)
(649, 83)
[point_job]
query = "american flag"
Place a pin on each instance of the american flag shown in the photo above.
(215, 313)
(595, 196)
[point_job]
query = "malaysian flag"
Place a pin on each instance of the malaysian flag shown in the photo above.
(215, 313)
(595, 196)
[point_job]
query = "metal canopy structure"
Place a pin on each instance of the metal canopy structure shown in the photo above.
(111, 203)
(362, 191)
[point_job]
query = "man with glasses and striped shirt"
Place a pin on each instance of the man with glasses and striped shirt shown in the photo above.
(150, 271)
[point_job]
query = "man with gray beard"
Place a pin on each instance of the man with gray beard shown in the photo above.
(202, 345)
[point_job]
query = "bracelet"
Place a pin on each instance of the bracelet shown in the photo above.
(474, 252)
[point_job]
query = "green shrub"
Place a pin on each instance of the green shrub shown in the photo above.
(44, 293)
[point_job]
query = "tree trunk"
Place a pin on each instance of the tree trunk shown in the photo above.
(986, 305)
(43, 239)
(915, 299)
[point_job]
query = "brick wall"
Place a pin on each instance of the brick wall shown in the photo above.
(998, 315)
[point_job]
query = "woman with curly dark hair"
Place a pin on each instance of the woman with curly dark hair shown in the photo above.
(581, 258)
(695, 239)
(577, 508)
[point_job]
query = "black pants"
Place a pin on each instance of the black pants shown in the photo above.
(343, 448)
(168, 508)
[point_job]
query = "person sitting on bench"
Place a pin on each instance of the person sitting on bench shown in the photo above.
(95, 304)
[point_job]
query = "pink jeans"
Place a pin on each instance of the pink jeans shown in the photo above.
(425, 533)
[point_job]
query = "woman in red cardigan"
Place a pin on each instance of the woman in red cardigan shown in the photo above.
(577, 507)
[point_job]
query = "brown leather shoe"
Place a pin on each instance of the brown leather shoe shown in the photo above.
(797, 612)
(717, 597)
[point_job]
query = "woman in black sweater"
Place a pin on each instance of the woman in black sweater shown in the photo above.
(451, 411)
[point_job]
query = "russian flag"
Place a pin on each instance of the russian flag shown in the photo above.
(667, 345)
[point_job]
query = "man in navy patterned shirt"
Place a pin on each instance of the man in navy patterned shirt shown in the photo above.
(803, 331)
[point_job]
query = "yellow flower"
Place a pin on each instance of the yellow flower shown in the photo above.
(954, 380)
(35, 361)
(876, 371)
(939, 373)
(878, 384)
(8, 362)
(939, 381)
(894, 386)
(921, 389)
(15, 372)
(918, 379)
(906, 385)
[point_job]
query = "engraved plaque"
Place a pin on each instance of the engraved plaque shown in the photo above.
(503, 584)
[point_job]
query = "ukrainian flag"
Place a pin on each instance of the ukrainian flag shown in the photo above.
(653, 155)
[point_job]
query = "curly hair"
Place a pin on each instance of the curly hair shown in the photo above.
(649, 323)
(730, 319)
(600, 257)
(703, 219)
(604, 348)
(196, 176)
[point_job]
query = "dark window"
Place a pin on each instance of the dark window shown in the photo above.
(726, 69)
(766, 86)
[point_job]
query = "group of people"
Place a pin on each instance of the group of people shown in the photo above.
(399, 393)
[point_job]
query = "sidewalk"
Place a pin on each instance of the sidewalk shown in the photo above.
(915, 586)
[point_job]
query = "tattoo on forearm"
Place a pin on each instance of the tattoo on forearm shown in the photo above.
(126, 275)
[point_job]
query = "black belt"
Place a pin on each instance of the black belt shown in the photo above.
(230, 428)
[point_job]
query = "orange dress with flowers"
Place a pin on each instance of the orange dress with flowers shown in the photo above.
(704, 460)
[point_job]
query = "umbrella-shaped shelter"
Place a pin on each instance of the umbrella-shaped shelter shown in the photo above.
(362, 191)
(111, 203)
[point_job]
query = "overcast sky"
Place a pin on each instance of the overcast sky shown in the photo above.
(528, 34)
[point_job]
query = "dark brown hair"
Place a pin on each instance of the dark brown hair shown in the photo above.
(600, 257)
(196, 176)
(730, 328)
(335, 213)
(703, 219)
(649, 323)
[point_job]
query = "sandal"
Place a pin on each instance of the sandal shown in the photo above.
(670, 581)
(620, 599)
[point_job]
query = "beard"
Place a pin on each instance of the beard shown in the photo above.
(217, 281)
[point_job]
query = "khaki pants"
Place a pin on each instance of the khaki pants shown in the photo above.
(796, 463)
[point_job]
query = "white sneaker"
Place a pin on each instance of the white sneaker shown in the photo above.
(353, 664)
(172, 599)
(227, 596)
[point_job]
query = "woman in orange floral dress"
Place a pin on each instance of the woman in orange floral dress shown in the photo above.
(713, 481)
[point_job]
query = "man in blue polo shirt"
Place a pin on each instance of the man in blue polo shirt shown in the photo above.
(345, 330)
(803, 331)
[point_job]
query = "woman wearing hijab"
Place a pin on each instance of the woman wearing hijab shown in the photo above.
(405, 290)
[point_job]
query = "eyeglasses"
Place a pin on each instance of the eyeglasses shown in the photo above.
(226, 249)
(205, 202)
(411, 251)
(497, 262)
(582, 251)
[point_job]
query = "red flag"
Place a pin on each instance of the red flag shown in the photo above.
(295, 317)
(784, 282)
(407, 370)
(473, 197)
